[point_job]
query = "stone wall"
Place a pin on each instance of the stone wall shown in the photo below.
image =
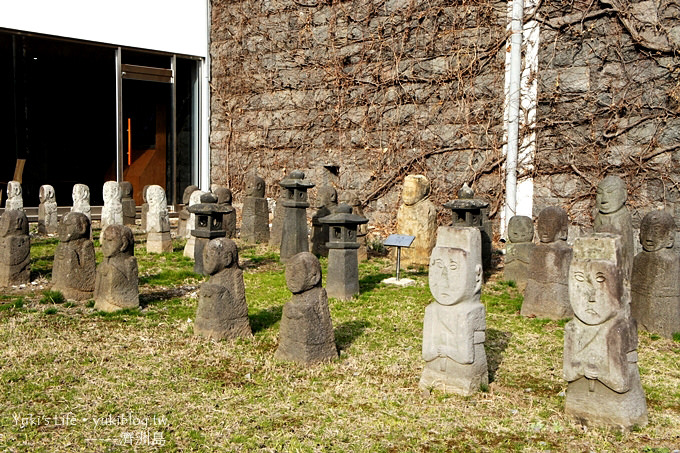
(609, 92)
(359, 93)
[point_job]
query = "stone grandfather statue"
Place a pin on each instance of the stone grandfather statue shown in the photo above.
(15, 249)
(326, 202)
(15, 199)
(655, 283)
(255, 213)
(112, 211)
(81, 200)
(222, 310)
(613, 217)
(158, 239)
(74, 268)
(417, 216)
(128, 203)
(47, 211)
(224, 197)
(547, 293)
(517, 250)
(454, 328)
(117, 282)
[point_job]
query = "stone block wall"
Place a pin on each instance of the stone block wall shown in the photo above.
(370, 89)
(609, 103)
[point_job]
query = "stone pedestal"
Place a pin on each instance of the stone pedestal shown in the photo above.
(159, 242)
(294, 236)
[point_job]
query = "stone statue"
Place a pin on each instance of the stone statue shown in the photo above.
(117, 282)
(600, 343)
(613, 217)
(128, 202)
(327, 201)
(222, 310)
(362, 230)
(158, 238)
(74, 268)
(81, 200)
(14, 197)
(255, 213)
(145, 207)
(306, 333)
(655, 283)
(277, 222)
(194, 198)
(547, 294)
(184, 214)
(454, 329)
(112, 211)
(417, 216)
(517, 250)
(15, 248)
(224, 197)
(48, 222)
(294, 231)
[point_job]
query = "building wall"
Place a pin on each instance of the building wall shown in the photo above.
(378, 89)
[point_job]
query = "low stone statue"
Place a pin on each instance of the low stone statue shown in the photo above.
(117, 282)
(600, 343)
(184, 214)
(613, 217)
(517, 250)
(326, 202)
(547, 294)
(74, 268)
(224, 198)
(417, 216)
(81, 200)
(128, 202)
(194, 198)
(255, 213)
(15, 249)
(306, 333)
(158, 239)
(655, 284)
(15, 200)
(48, 221)
(112, 211)
(454, 329)
(222, 310)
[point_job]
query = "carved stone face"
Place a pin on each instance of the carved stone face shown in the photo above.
(520, 229)
(220, 253)
(13, 189)
(416, 187)
(552, 224)
(46, 193)
(13, 223)
(328, 196)
(453, 277)
(611, 194)
(657, 231)
(74, 225)
(255, 186)
(126, 189)
(155, 196)
(223, 195)
(595, 290)
(81, 193)
(111, 191)
(303, 272)
(116, 240)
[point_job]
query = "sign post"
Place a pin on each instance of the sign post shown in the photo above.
(399, 241)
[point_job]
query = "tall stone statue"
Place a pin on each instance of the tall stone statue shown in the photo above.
(547, 294)
(48, 222)
(145, 206)
(306, 333)
(655, 284)
(454, 329)
(613, 217)
(224, 198)
(15, 199)
(362, 230)
(417, 216)
(326, 202)
(600, 343)
(15, 249)
(112, 211)
(255, 213)
(194, 198)
(117, 282)
(184, 214)
(128, 202)
(74, 268)
(158, 238)
(517, 250)
(81, 200)
(222, 310)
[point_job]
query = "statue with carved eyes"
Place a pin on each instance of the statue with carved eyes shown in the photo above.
(81, 200)
(600, 343)
(417, 216)
(454, 328)
(48, 222)
(546, 294)
(517, 250)
(112, 211)
(15, 200)
(255, 213)
(117, 281)
(15, 248)
(655, 285)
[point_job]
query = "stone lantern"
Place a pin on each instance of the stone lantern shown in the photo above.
(294, 237)
(473, 212)
(209, 225)
(342, 281)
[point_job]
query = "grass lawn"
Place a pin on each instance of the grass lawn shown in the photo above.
(74, 379)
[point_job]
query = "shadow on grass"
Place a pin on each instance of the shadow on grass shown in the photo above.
(496, 343)
(347, 332)
(369, 282)
(266, 318)
(154, 297)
